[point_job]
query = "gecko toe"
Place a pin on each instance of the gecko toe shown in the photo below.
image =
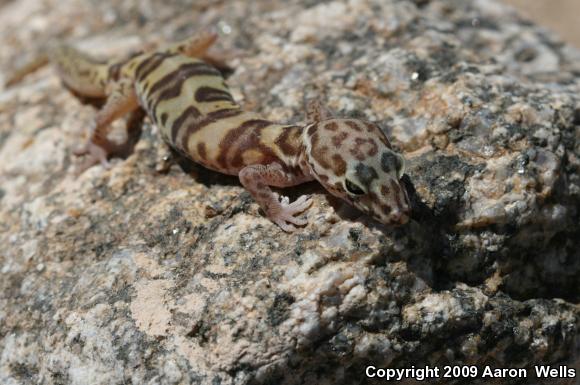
(297, 221)
(94, 154)
(300, 204)
(285, 226)
(287, 213)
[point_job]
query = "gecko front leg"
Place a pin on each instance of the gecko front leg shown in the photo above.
(122, 99)
(257, 179)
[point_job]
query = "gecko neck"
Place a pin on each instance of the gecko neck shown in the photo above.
(301, 160)
(289, 146)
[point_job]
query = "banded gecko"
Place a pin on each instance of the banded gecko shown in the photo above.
(189, 101)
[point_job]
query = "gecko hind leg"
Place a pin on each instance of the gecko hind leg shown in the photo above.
(197, 45)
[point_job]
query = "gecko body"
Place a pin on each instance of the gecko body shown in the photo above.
(189, 101)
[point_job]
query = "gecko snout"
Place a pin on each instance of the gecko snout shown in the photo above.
(400, 216)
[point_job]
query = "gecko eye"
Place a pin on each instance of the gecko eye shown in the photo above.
(353, 188)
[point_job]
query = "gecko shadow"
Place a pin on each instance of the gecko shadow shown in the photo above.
(425, 243)
(423, 238)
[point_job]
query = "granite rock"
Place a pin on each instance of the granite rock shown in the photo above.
(129, 276)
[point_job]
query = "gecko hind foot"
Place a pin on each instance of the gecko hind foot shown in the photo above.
(94, 154)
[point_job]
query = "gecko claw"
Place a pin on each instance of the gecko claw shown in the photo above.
(285, 226)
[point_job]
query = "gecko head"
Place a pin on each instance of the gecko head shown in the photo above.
(354, 161)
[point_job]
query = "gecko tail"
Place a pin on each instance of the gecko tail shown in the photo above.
(82, 73)
(25, 69)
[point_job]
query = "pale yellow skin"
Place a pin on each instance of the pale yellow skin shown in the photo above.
(190, 102)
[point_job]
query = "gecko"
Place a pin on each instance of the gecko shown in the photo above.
(190, 102)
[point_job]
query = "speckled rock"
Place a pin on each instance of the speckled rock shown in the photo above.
(129, 276)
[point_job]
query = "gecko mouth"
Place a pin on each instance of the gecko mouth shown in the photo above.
(388, 216)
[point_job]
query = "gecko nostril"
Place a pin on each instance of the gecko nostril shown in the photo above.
(404, 219)
(395, 216)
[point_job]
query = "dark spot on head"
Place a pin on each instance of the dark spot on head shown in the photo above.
(373, 148)
(360, 141)
(365, 174)
(353, 125)
(366, 145)
(331, 126)
(319, 153)
(356, 151)
(389, 161)
(339, 165)
(370, 127)
(339, 138)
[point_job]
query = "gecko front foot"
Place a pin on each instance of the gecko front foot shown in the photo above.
(283, 213)
(94, 154)
(257, 179)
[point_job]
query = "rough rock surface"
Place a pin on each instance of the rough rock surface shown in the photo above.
(127, 276)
